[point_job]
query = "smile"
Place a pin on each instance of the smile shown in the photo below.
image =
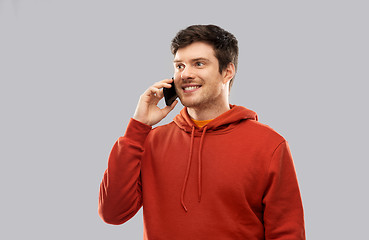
(192, 88)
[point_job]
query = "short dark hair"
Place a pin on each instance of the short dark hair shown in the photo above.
(224, 43)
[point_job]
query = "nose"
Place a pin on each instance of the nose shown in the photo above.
(187, 73)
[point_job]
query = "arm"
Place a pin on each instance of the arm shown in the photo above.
(120, 190)
(283, 211)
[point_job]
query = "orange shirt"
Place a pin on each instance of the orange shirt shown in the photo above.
(202, 123)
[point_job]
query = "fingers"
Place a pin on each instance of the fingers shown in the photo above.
(147, 110)
(153, 91)
(163, 84)
(156, 88)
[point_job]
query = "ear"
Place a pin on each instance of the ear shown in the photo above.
(229, 72)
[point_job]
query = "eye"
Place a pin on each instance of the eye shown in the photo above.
(179, 66)
(199, 64)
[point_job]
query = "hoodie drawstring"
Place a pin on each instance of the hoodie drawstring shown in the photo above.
(189, 166)
(188, 169)
(200, 163)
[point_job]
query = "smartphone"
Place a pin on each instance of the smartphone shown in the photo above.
(170, 94)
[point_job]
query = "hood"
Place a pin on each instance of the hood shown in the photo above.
(221, 123)
(232, 116)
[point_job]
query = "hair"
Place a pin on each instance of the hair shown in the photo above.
(224, 43)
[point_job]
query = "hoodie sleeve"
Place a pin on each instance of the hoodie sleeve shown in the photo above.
(120, 194)
(283, 212)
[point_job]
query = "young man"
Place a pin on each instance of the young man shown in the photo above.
(215, 172)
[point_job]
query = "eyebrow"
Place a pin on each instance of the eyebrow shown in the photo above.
(193, 60)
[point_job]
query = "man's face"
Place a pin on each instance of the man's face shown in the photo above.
(197, 79)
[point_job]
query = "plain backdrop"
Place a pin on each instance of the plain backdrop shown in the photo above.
(72, 71)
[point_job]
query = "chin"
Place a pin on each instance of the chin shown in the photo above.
(190, 104)
(186, 102)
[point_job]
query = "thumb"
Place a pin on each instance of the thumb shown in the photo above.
(168, 109)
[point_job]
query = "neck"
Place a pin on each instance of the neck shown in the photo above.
(207, 113)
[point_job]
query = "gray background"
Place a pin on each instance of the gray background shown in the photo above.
(72, 71)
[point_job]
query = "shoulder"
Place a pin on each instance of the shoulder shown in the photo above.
(162, 136)
(163, 130)
(261, 132)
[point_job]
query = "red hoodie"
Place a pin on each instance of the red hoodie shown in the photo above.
(231, 179)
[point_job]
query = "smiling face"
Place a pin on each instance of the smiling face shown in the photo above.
(199, 84)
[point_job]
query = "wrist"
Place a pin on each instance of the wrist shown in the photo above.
(141, 120)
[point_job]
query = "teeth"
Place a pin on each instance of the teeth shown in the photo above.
(190, 88)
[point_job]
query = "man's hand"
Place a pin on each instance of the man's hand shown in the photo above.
(147, 110)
